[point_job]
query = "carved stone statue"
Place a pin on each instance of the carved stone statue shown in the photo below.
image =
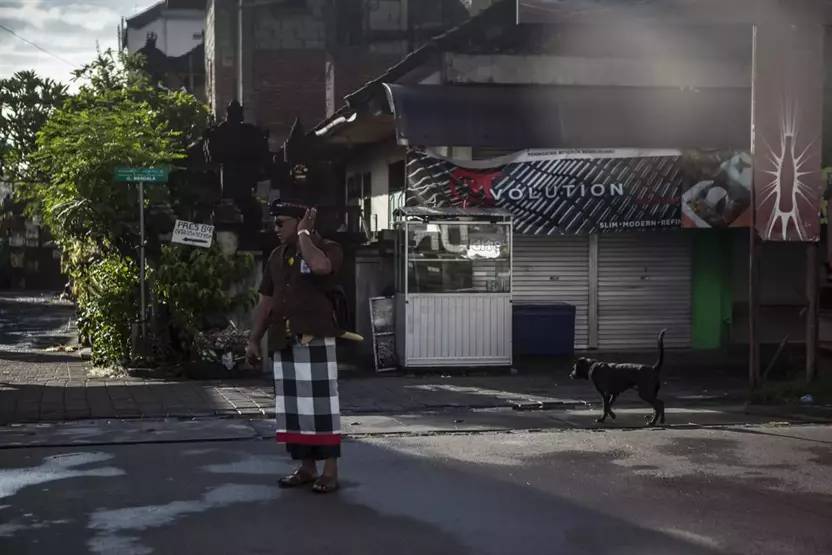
(242, 151)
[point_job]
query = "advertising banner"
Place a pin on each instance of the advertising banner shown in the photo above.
(588, 191)
(788, 118)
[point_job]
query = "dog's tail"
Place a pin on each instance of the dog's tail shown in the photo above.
(660, 361)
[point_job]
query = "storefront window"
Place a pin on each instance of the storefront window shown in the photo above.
(458, 258)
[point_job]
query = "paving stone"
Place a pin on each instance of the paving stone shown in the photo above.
(39, 385)
(100, 404)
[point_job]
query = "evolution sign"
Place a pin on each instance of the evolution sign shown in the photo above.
(587, 191)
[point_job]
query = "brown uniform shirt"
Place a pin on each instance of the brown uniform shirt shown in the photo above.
(299, 297)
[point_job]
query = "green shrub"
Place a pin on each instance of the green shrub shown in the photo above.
(197, 283)
(106, 291)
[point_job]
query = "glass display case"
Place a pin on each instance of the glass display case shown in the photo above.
(453, 286)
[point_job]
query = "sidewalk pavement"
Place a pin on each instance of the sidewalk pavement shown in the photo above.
(60, 387)
(41, 386)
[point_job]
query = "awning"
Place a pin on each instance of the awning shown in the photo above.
(453, 212)
(520, 117)
(429, 115)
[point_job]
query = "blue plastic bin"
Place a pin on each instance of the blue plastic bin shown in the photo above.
(543, 329)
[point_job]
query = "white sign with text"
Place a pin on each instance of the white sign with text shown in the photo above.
(195, 235)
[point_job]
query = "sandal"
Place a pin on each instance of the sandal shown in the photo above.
(296, 479)
(325, 484)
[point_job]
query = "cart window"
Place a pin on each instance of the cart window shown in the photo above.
(458, 258)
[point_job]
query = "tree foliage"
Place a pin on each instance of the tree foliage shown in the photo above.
(118, 118)
(26, 102)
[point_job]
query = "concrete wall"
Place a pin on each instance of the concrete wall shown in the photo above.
(376, 161)
(298, 71)
(289, 84)
(353, 67)
(374, 278)
(220, 55)
(177, 32)
(782, 290)
(387, 15)
(276, 28)
(304, 57)
(285, 75)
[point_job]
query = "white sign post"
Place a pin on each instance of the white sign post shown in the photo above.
(195, 235)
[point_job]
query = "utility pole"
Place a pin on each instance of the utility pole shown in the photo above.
(812, 311)
(753, 270)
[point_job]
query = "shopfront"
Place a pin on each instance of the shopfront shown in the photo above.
(635, 239)
(608, 231)
(624, 286)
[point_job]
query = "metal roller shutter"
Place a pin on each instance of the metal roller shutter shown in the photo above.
(644, 285)
(554, 269)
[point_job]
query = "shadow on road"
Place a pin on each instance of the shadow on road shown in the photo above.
(219, 498)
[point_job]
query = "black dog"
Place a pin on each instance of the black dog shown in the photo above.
(611, 379)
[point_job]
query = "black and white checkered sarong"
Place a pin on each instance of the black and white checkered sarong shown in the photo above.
(307, 411)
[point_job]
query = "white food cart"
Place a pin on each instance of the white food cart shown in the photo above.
(453, 287)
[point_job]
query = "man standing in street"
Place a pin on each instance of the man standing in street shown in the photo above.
(296, 310)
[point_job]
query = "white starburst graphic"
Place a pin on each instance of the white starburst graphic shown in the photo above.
(787, 187)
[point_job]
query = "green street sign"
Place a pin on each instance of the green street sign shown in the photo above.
(135, 175)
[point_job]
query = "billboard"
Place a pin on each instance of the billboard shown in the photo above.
(589, 191)
(788, 118)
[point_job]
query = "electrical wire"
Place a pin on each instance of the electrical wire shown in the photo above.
(37, 46)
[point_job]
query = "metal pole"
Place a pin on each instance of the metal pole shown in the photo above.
(593, 291)
(240, 57)
(143, 319)
(753, 312)
(245, 57)
(812, 310)
(753, 271)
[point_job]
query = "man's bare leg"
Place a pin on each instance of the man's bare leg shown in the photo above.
(328, 481)
(309, 468)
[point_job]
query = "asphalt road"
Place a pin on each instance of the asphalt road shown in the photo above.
(700, 491)
(30, 323)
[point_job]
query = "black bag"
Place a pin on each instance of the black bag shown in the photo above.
(340, 306)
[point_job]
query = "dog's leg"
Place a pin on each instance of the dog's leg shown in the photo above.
(606, 400)
(659, 405)
(655, 403)
(613, 397)
(652, 421)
